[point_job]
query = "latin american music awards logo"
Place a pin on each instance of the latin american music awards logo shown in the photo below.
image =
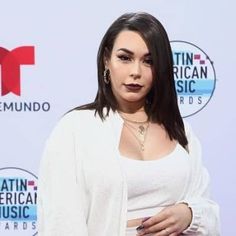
(11, 62)
(194, 75)
(18, 200)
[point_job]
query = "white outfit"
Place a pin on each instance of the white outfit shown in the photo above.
(155, 184)
(83, 187)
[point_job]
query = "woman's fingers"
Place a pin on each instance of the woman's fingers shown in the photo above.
(157, 227)
(161, 229)
(170, 221)
(160, 217)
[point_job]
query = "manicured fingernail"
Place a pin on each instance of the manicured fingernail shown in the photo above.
(140, 227)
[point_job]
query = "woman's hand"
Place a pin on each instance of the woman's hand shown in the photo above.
(171, 221)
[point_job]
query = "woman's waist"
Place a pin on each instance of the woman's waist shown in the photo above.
(135, 222)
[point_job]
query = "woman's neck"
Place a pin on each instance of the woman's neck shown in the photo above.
(133, 112)
(131, 107)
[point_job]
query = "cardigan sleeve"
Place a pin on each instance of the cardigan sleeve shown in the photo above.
(205, 212)
(62, 206)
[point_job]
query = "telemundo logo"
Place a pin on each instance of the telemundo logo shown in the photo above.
(194, 76)
(11, 62)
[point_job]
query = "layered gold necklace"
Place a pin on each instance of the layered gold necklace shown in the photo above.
(138, 129)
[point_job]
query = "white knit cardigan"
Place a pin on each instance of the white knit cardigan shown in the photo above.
(82, 190)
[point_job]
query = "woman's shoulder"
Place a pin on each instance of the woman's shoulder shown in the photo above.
(80, 121)
(72, 117)
(70, 123)
(80, 114)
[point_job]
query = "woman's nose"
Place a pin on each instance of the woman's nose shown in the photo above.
(135, 70)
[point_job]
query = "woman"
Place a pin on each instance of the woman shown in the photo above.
(126, 163)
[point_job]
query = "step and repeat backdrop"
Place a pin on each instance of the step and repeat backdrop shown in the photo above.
(48, 66)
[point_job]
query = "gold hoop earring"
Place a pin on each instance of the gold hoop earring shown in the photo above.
(106, 76)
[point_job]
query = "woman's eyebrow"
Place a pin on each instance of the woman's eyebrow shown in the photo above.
(132, 53)
(126, 50)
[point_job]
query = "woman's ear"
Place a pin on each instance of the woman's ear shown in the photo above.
(106, 62)
(105, 58)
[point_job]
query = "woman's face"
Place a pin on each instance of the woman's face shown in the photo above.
(130, 67)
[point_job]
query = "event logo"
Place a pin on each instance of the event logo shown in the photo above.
(10, 80)
(10, 62)
(194, 75)
(18, 199)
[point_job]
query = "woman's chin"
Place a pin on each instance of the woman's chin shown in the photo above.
(134, 99)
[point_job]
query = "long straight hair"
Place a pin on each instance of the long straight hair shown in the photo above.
(161, 102)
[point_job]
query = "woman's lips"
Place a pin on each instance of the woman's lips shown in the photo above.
(133, 87)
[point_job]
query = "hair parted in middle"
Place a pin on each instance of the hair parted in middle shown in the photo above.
(161, 102)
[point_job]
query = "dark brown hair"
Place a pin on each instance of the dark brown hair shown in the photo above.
(161, 106)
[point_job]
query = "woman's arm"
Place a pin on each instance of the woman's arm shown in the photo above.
(205, 212)
(62, 206)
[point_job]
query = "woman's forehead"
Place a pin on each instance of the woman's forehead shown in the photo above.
(131, 41)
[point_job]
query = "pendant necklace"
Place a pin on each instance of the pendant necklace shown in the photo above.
(139, 132)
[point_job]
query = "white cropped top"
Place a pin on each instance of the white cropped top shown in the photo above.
(156, 184)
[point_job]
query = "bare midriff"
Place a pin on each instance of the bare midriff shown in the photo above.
(134, 222)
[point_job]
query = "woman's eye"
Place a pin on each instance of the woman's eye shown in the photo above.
(148, 61)
(124, 58)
